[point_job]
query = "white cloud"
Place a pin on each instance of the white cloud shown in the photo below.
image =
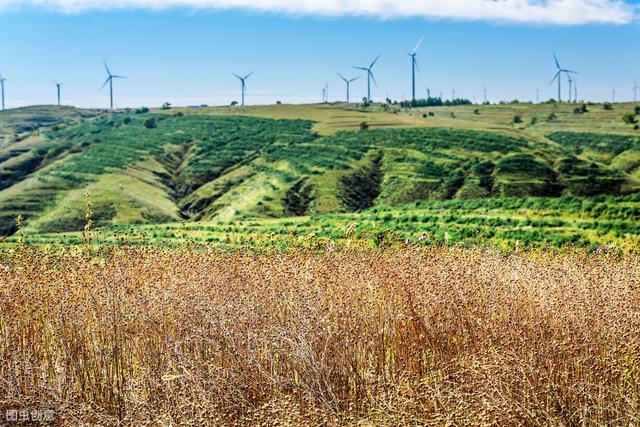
(558, 12)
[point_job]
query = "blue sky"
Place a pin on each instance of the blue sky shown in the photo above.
(184, 54)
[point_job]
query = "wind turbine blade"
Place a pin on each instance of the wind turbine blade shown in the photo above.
(105, 83)
(555, 58)
(374, 61)
(354, 79)
(248, 75)
(342, 77)
(237, 76)
(106, 67)
(415, 61)
(361, 68)
(415, 49)
(569, 71)
(373, 78)
(119, 77)
(555, 77)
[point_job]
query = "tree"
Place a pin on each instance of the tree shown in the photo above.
(517, 119)
(607, 106)
(166, 106)
(234, 103)
(364, 125)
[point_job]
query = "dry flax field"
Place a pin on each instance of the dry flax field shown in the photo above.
(402, 336)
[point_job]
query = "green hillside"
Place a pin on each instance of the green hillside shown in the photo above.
(210, 166)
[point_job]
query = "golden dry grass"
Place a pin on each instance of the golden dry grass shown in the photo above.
(399, 337)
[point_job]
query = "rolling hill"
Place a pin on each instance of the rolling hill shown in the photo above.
(223, 164)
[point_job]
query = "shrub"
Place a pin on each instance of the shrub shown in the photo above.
(142, 110)
(552, 117)
(636, 110)
(364, 125)
(126, 120)
(150, 123)
(534, 120)
(629, 118)
(607, 106)
(517, 119)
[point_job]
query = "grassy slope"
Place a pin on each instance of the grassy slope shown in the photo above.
(208, 166)
(328, 119)
(589, 222)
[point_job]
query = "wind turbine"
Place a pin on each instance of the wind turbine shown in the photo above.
(58, 84)
(369, 76)
(428, 93)
(109, 81)
(2, 80)
(558, 76)
(485, 94)
(575, 91)
(243, 84)
(414, 65)
(348, 82)
(635, 90)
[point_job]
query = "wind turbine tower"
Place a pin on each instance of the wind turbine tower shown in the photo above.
(348, 83)
(414, 65)
(109, 81)
(58, 85)
(2, 80)
(243, 85)
(369, 76)
(485, 94)
(570, 85)
(635, 90)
